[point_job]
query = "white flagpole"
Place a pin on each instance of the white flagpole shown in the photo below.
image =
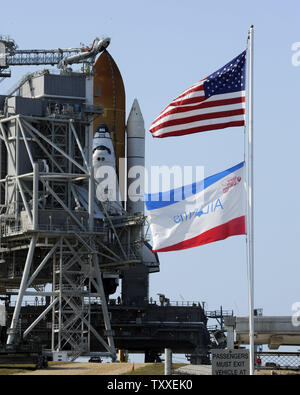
(250, 221)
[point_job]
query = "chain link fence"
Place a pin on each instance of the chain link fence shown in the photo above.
(278, 360)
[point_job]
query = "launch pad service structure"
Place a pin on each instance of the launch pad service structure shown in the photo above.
(63, 248)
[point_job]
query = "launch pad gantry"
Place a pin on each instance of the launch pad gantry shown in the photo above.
(52, 244)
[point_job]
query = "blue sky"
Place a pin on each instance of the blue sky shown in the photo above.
(164, 46)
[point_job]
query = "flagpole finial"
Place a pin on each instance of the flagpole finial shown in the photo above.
(250, 32)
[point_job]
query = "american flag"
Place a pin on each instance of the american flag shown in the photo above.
(216, 102)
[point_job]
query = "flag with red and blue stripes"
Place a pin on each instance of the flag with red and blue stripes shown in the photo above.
(216, 102)
(207, 211)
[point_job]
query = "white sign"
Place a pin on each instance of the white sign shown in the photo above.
(230, 362)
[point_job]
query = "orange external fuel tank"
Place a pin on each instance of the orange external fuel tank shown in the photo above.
(109, 92)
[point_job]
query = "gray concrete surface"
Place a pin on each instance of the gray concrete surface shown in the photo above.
(194, 370)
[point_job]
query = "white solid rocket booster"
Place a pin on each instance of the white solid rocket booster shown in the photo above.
(135, 281)
(135, 160)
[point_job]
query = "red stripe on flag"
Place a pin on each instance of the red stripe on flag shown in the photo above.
(206, 104)
(234, 227)
(195, 118)
(192, 100)
(189, 91)
(201, 129)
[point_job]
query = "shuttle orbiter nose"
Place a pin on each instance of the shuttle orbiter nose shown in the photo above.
(103, 149)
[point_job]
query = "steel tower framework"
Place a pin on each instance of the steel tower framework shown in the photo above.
(51, 246)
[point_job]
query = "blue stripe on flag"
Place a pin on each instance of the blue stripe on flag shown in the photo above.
(162, 199)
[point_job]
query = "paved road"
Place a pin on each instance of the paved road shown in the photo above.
(195, 370)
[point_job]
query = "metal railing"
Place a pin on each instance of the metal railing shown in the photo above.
(219, 313)
(30, 303)
(7, 230)
(176, 303)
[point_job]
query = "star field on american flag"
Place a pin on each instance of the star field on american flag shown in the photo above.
(216, 102)
(230, 78)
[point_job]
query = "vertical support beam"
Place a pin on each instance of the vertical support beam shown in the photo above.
(53, 309)
(70, 153)
(168, 361)
(3, 186)
(90, 101)
(17, 151)
(105, 312)
(89, 81)
(91, 198)
(230, 337)
(89, 307)
(23, 286)
(35, 205)
(60, 296)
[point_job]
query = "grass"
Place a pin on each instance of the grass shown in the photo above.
(153, 369)
(8, 369)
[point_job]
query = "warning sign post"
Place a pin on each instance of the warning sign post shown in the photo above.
(230, 362)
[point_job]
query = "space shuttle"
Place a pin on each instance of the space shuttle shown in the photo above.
(105, 172)
(114, 139)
